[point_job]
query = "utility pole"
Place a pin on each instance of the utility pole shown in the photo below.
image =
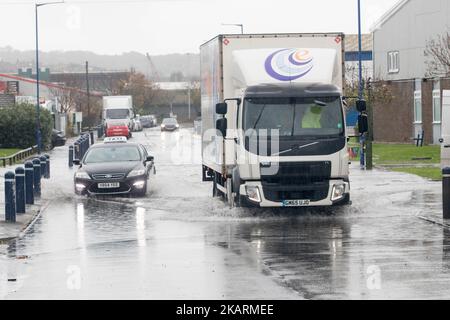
(362, 137)
(189, 100)
(87, 90)
(369, 150)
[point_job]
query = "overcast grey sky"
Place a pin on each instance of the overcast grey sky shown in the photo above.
(169, 26)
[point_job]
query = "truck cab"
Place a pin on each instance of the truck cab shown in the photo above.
(273, 125)
(289, 144)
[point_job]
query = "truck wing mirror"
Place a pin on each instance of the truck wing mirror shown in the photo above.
(361, 105)
(221, 125)
(363, 123)
(221, 108)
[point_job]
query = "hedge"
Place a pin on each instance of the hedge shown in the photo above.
(18, 126)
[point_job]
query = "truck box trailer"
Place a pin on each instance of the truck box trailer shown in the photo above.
(273, 125)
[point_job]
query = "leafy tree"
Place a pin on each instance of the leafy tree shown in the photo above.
(143, 91)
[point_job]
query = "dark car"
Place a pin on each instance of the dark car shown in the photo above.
(169, 124)
(147, 121)
(114, 168)
(58, 139)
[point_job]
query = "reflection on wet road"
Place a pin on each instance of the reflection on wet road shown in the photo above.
(179, 243)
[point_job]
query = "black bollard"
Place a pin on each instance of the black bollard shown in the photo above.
(92, 137)
(37, 177)
(10, 199)
(47, 166)
(20, 190)
(446, 192)
(70, 156)
(77, 149)
(29, 175)
(43, 160)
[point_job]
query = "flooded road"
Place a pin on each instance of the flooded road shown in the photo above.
(180, 243)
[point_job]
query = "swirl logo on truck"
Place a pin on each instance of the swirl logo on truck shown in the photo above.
(289, 64)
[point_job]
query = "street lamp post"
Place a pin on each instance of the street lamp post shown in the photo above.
(236, 25)
(38, 119)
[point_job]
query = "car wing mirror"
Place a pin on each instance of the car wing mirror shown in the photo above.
(76, 162)
(150, 158)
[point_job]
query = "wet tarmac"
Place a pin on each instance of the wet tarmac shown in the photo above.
(180, 243)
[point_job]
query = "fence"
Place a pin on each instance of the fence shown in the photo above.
(19, 156)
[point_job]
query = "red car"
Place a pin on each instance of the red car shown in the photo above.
(118, 130)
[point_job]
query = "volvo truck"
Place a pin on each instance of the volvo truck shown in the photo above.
(273, 125)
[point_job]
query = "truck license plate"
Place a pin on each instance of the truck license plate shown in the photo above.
(295, 203)
(108, 185)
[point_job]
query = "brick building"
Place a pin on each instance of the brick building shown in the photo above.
(399, 42)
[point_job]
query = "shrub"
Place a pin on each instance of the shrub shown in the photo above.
(18, 126)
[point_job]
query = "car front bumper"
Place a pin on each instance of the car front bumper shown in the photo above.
(126, 186)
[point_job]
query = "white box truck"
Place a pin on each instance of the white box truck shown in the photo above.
(273, 125)
(118, 110)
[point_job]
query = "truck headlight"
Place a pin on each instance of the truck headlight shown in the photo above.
(253, 193)
(338, 192)
(135, 173)
(82, 175)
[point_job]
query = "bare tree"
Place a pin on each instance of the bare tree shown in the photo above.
(68, 98)
(438, 53)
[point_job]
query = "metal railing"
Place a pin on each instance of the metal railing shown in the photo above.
(18, 156)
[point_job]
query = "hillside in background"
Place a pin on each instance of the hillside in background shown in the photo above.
(74, 61)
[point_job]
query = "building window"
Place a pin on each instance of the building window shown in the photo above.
(393, 62)
(417, 107)
(436, 106)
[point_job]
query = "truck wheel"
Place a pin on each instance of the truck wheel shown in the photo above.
(215, 191)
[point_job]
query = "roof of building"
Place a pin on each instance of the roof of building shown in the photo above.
(388, 15)
(43, 83)
(174, 85)
(351, 42)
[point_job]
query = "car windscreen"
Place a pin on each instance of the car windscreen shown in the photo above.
(113, 154)
(321, 116)
(169, 121)
(117, 113)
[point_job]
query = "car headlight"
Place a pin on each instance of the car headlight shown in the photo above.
(163, 125)
(134, 173)
(337, 192)
(82, 175)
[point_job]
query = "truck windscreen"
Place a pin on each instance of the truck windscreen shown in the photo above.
(295, 117)
(117, 113)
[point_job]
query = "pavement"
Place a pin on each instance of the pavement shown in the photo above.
(180, 243)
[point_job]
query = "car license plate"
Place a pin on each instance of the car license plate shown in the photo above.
(108, 185)
(295, 203)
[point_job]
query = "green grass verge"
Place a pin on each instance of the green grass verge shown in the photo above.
(402, 154)
(430, 173)
(8, 152)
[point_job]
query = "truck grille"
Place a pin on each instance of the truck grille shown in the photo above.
(298, 181)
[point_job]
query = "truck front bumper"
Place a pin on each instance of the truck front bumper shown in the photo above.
(254, 192)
